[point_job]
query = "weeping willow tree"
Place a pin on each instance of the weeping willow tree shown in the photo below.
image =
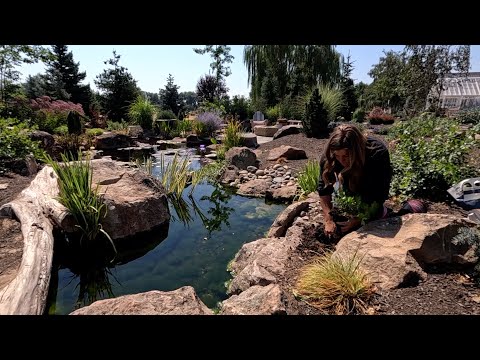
(292, 68)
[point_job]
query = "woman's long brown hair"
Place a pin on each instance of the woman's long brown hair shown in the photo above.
(346, 137)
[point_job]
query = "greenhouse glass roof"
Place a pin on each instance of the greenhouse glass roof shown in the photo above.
(462, 86)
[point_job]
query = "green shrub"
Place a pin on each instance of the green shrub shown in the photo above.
(469, 116)
(183, 127)
(359, 115)
(94, 131)
(471, 237)
(333, 101)
(15, 142)
(61, 130)
(429, 156)
(18, 106)
(117, 125)
(272, 114)
(221, 151)
(166, 115)
(349, 205)
(164, 129)
(292, 108)
(69, 143)
(198, 127)
(74, 123)
(47, 120)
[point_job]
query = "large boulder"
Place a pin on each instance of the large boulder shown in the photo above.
(268, 131)
(241, 157)
(111, 141)
(183, 301)
(287, 130)
(395, 251)
(135, 201)
(25, 167)
(256, 300)
(46, 139)
(286, 152)
(285, 219)
(254, 188)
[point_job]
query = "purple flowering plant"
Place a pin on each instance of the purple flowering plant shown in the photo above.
(211, 121)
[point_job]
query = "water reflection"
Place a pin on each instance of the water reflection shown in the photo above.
(212, 218)
(90, 267)
(219, 212)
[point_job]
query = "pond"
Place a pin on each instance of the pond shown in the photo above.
(194, 252)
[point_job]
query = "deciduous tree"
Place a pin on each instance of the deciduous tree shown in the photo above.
(426, 68)
(210, 90)
(294, 68)
(221, 57)
(387, 88)
(12, 56)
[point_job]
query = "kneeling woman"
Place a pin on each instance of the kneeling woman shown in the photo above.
(358, 165)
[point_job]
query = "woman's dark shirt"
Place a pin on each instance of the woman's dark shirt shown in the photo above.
(376, 177)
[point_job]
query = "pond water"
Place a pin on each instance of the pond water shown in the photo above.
(194, 253)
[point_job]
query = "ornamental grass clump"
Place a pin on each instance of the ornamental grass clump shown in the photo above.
(174, 175)
(77, 195)
(233, 136)
(335, 285)
(142, 112)
(309, 176)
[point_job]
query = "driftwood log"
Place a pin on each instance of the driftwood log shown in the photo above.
(125, 192)
(26, 294)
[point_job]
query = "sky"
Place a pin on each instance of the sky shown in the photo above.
(150, 65)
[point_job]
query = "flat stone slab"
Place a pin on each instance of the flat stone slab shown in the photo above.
(265, 130)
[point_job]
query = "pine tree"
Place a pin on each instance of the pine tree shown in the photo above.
(119, 89)
(169, 96)
(348, 88)
(316, 116)
(63, 79)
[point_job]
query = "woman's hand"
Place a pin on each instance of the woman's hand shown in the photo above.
(346, 226)
(330, 228)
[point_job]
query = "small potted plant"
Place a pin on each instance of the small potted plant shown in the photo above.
(347, 206)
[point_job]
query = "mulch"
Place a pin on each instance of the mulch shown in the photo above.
(313, 149)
